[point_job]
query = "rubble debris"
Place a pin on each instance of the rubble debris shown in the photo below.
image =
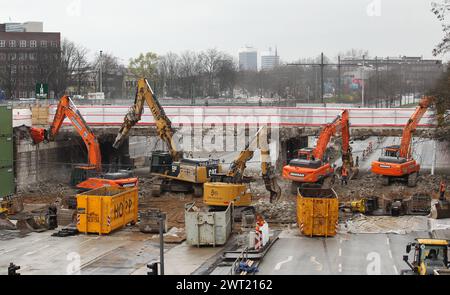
(280, 212)
(361, 224)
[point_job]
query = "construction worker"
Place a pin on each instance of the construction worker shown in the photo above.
(442, 188)
(344, 174)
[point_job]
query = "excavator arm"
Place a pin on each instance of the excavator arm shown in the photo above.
(238, 166)
(145, 94)
(405, 151)
(66, 108)
(324, 138)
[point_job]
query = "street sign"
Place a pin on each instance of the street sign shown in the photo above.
(41, 90)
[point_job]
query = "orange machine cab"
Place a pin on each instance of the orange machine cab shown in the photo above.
(306, 169)
(391, 164)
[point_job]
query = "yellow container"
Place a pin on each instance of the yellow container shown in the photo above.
(222, 194)
(106, 209)
(317, 212)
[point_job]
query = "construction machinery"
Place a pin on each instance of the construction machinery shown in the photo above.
(365, 205)
(397, 161)
(430, 257)
(84, 176)
(224, 188)
(312, 166)
(172, 171)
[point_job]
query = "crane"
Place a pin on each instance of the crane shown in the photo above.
(397, 161)
(81, 173)
(225, 188)
(172, 171)
(312, 166)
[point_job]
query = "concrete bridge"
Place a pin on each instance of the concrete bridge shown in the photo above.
(292, 121)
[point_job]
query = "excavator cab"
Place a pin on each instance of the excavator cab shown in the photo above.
(305, 154)
(161, 162)
(392, 151)
(430, 255)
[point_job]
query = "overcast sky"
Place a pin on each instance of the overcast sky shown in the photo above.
(299, 28)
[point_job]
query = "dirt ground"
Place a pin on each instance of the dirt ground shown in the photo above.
(284, 211)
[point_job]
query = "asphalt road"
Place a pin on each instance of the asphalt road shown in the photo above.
(345, 254)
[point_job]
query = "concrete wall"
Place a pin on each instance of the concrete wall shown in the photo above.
(42, 163)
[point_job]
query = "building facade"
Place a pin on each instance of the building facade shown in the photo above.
(27, 57)
(270, 60)
(248, 59)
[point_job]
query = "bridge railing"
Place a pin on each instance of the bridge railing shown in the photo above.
(113, 115)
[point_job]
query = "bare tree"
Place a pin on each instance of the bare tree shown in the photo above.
(113, 73)
(442, 10)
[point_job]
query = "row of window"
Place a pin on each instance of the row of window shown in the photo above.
(25, 56)
(21, 68)
(25, 43)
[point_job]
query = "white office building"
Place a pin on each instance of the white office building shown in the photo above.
(248, 59)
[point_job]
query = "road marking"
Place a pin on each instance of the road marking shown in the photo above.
(340, 252)
(10, 250)
(29, 253)
(387, 241)
(340, 267)
(314, 260)
(390, 253)
(395, 270)
(279, 264)
(340, 241)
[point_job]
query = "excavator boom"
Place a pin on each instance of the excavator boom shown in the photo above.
(412, 125)
(324, 138)
(145, 94)
(66, 108)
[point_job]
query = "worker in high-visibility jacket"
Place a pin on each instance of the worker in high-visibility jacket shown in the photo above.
(344, 175)
(442, 188)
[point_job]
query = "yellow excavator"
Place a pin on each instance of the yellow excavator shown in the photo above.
(225, 188)
(171, 171)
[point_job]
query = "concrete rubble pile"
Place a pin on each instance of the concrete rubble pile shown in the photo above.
(361, 224)
(281, 212)
(370, 186)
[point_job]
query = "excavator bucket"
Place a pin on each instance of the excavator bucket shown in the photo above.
(440, 209)
(273, 187)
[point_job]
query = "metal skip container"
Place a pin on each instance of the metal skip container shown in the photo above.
(207, 228)
(106, 209)
(317, 212)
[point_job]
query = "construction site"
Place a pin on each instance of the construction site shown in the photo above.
(196, 162)
(159, 197)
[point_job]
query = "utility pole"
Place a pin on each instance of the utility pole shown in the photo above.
(339, 77)
(101, 71)
(362, 78)
(322, 82)
(322, 66)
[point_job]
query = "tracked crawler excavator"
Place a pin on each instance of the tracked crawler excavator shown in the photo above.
(397, 161)
(171, 171)
(312, 167)
(225, 188)
(84, 176)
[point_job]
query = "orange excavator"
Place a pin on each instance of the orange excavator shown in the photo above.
(84, 176)
(397, 161)
(312, 167)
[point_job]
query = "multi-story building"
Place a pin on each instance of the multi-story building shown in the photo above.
(28, 56)
(248, 59)
(270, 59)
